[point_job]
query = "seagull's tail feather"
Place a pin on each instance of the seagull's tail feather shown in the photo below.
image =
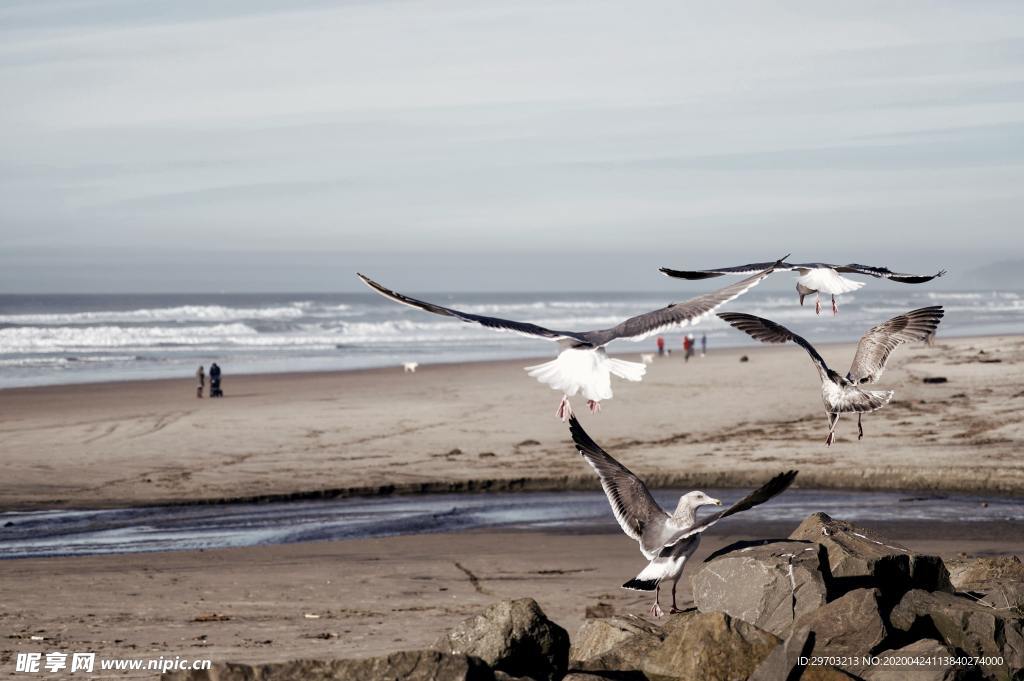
(637, 584)
(631, 371)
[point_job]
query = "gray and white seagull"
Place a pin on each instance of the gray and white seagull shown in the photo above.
(667, 541)
(583, 365)
(815, 277)
(843, 394)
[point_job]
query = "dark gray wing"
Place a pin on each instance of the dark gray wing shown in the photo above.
(676, 314)
(886, 273)
(719, 271)
(772, 488)
(636, 510)
(496, 323)
(876, 345)
(768, 331)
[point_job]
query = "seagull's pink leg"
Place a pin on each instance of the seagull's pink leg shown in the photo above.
(656, 610)
(833, 419)
(564, 409)
(817, 303)
(835, 308)
(594, 405)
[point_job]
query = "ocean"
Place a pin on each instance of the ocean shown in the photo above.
(56, 339)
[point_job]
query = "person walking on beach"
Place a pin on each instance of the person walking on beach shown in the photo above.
(688, 344)
(703, 344)
(215, 390)
(200, 381)
(661, 346)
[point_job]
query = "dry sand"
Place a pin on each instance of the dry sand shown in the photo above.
(714, 421)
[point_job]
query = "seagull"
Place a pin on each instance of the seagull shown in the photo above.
(843, 394)
(667, 541)
(582, 364)
(815, 277)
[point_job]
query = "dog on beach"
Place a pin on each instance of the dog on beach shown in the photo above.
(647, 358)
(410, 367)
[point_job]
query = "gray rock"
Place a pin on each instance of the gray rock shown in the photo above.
(502, 676)
(971, 627)
(890, 668)
(625, 659)
(784, 661)
(598, 636)
(768, 586)
(515, 637)
(861, 558)
(709, 647)
(850, 626)
(412, 665)
(599, 610)
(583, 676)
(999, 581)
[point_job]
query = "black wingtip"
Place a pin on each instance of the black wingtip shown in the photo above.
(781, 260)
(641, 584)
(579, 436)
(941, 273)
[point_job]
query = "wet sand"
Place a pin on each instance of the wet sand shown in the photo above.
(713, 422)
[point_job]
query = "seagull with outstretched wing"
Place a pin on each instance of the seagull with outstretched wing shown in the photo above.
(843, 394)
(667, 541)
(815, 277)
(583, 365)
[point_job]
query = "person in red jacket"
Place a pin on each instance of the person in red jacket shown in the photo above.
(688, 347)
(661, 346)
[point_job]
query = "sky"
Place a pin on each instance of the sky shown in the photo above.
(258, 145)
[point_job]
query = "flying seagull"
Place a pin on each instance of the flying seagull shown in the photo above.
(815, 277)
(582, 365)
(666, 540)
(842, 394)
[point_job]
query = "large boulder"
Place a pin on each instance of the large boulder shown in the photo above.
(999, 581)
(412, 665)
(598, 636)
(931, 661)
(709, 647)
(767, 585)
(849, 627)
(971, 627)
(861, 558)
(515, 637)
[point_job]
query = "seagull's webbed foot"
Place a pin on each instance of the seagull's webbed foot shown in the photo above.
(835, 306)
(594, 405)
(675, 611)
(564, 409)
(656, 610)
(830, 439)
(817, 306)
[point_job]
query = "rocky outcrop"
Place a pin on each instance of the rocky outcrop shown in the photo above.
(861, 558)
(598, 636)
(514, 637)
(966, 625)
(709, 647)
(998, 581)
(769, 585)
(411, 665)
(849, 627)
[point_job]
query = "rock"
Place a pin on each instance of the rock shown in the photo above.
(961, 623)
(783, 661)
(515, 637)
(768, 585)
(709, 647)
(891, 669)
(598, 636)
(502, 676)
(998, 581)
(850, 626)
(860, 558)
(583, 676)
(413, 665)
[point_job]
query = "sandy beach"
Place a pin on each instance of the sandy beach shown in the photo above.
(714, 421)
